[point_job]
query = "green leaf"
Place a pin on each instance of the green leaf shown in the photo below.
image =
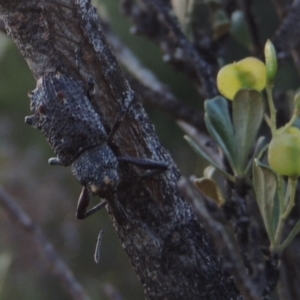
(219, 125)
(202, 153)
(258, 152)
(265, 185)
(291, 236)
(247, 114)
(276, 212)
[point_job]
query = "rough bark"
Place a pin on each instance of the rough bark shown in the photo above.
(169, 250)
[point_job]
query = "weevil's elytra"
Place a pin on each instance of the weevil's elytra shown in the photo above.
(61, 96)
(61, 109)
(42, 110)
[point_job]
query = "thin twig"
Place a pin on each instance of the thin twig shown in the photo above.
(168, 103)
(156, 19)
(53, 260)
(204, 141)
(111, 292)
(203, 69)
(282, 7)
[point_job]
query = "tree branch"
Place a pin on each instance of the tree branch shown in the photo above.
(282, 6)
(286, 38)
(168, 248)
(156, 19)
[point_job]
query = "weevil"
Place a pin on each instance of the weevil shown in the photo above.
(63, 112)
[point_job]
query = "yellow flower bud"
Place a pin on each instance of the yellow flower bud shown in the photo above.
(248, 73)
(284, 151)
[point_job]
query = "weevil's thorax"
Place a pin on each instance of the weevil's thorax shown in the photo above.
(97, 170)
(65, 116)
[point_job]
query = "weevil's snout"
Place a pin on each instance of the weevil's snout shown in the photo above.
(106, 185)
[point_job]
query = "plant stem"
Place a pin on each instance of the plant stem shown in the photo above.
(291, 121)
(290, 237)
(280, 191)
(285, 209)
(272, 109)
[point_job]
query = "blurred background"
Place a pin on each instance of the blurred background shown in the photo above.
(49, 194)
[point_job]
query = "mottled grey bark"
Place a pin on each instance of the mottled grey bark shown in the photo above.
(169, 250)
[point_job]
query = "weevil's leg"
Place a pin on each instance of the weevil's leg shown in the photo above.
(153, 167)
(95, 208)
(145, 163)
(124, 109)
(149, 174)
(83, 203)
(54, 161)
(98, 245)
